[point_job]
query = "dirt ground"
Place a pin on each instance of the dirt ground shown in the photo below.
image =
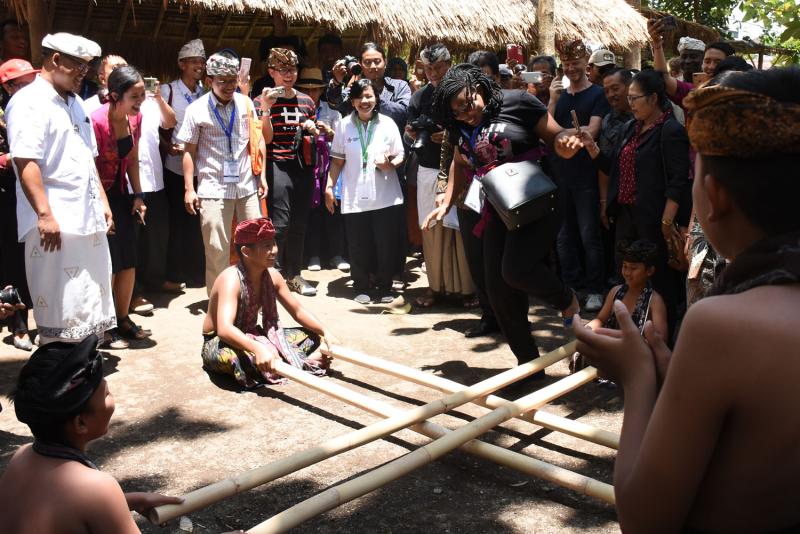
(175, 429)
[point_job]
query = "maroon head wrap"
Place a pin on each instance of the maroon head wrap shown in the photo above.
(253, 230)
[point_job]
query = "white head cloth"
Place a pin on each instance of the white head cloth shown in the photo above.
(690, 43)
(72, 45)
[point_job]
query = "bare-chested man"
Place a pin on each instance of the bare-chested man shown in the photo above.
(234, 343)
(716, 448)
(52, 486)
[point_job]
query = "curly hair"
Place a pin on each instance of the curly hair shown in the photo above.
(460, 77)
(638, 251)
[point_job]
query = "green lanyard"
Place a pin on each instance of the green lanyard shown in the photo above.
(365, 145)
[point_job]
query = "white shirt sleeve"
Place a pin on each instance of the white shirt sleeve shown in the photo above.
(395, 141)
(189, 132)
(27, 131)
(337, 146)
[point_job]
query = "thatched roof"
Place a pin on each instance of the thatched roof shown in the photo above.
(149, 32)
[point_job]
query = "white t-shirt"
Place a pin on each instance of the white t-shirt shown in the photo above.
(370, 189)
(151, 172)
(91, 104)
(58, 135)
(181, 98)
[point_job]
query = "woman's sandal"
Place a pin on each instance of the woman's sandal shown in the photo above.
(130, 330)
(427, 300)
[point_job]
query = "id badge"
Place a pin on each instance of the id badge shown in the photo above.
(475, 196)
(231, 171)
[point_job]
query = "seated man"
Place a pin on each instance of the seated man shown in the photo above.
(234, 343)
(52, 486)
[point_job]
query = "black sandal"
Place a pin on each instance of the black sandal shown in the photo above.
(130, 330)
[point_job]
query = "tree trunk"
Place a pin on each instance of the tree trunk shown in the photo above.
(632, 57)
(546, 29)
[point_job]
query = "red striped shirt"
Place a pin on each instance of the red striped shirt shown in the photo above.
(287, 115)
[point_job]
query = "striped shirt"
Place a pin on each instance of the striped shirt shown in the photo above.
(287, 115)
(202, 128)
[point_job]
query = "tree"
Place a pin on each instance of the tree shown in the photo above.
(712, 13)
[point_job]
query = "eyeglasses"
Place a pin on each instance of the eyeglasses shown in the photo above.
(468, 106)
(226, 83)
(632, 98)
(81, 66)
(371, 62)
(291, 71)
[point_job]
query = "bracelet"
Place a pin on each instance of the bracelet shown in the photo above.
(666, 222)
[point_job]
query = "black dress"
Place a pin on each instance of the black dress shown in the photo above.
(122, 243)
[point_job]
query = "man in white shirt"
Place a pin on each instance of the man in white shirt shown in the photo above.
(185, 256)
(107, 64)
(216, 137)
(62, 209)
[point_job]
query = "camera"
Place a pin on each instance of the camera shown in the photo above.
(424, 126)
(353, 66)
(10, 296)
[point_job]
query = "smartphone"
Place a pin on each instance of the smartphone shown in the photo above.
(532, 76)
(141, 219)
(668, 23)
(699, 78)
(575, 122)
(514, 53)
(244, 68)
(280, 91)
(150, 84)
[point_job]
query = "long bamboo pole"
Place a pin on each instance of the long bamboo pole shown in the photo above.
(209, 494)
(354, 488)
(538, 417)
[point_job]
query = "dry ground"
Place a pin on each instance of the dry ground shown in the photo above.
(175, 430)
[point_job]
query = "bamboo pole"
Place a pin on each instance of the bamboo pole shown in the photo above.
(354, 488)
(261, 475)
(537, 417)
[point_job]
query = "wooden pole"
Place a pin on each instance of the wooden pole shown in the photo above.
(546, 27)
(37, 28)
(215, 492)
(537, 417)
(356, 487)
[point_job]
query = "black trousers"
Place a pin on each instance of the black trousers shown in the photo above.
(473, 248)
(515, 266)
(373, 238)
(325, 233)
(153, 241)
(289, 203)
(668, 282)
(12, 252)
(186, 257)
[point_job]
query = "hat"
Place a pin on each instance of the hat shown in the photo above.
(602, 57)
(253, 230)
(505, 70)
(14, 68)
(572, 50)
(57, 381)
(193, 48)
(281, 57)
(690, 43)
(222, 65)
(72, 45)
(310, 79)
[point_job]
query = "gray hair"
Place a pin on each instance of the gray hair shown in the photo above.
(434, 53)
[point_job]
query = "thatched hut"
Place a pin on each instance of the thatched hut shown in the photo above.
(149, 32)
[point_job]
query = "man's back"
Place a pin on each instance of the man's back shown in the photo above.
(42, 494)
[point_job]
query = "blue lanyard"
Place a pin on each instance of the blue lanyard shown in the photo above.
(473, 137)
(229, 130)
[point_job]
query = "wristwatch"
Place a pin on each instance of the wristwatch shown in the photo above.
(138, 195)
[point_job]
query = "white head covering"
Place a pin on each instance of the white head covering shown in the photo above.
(222, 65)
(193, 48)
(689, 43)
(72, 45)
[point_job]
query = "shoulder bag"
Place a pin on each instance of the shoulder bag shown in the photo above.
(520, 192)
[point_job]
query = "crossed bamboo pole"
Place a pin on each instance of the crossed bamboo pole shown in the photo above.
(538, 417)
(462, 437)
(207, 495)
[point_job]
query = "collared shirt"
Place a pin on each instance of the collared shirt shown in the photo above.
(394, 98)
(151, 174)
(612, 130)
(181, 97)
(58, 136)
(202, 128)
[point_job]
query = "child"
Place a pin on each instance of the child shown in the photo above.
(52, 486)
(637, 294)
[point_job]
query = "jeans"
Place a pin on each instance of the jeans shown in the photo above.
(580, 230)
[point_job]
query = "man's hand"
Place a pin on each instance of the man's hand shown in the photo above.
(325, 129)
(411, 132)
(144, 502)
(266, 362)
(191, 202)
(176, 149)
(384, 163)
(50, 233)
(244, 85)
(310, 127)
(7, 310)
(656, 31)
(339, 71)
(268, 99)
(329, 339)
(139, 208)
(437, 137)
(568, 145)
(556, 88)
(263, 188)
(330, 200)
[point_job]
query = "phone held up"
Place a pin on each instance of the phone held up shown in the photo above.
(514, 53)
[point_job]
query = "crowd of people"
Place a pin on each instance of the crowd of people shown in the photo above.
(638, 188)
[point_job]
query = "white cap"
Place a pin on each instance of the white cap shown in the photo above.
(193, 48)
(690, 43)
(602, 57)
(72, 45)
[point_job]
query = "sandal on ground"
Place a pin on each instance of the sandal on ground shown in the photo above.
(427, 300)
(130, 330)
(574, 307)
(471, 301)
(113, 341)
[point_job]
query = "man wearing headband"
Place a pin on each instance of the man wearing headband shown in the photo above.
(692, 62)
(580, 231)
(723, 405)
(216, 136)
(54, 487)
(233, 341)
(62, 210)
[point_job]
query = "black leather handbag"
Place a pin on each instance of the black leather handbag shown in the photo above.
(520, 192)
